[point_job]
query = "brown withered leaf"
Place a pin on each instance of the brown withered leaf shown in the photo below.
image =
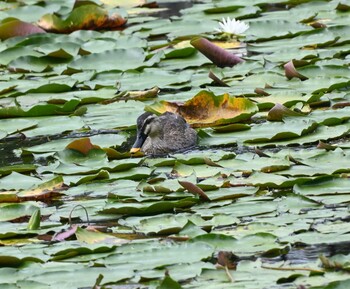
(325, 146)
(261, 91)
(260, 153)
(227, 259)
(194, 189)
(82, 145)
(318, 25)
(291, 72)
(216, 79)
(279, 111)
(210, 163)
(341, 105)
(293, 160)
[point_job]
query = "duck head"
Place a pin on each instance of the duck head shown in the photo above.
(163, 134)
(148, 124)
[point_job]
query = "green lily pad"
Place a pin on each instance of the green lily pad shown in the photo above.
(147, 208)
(131, 58)
(17, 181)
(250, 244)
(40, 110)
(14, 211)
(164, 255)
(323, 186)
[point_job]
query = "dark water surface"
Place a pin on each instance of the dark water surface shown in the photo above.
(172, 8)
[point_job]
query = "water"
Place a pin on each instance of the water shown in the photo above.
(172, 8)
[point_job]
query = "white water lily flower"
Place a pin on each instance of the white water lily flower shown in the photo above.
(232, 26)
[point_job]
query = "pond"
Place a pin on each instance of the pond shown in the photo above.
(261, 201)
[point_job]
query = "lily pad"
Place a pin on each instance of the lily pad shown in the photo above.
(206, 109)
(132, 58)
(12, 27)
(83, 17)
(14, 211)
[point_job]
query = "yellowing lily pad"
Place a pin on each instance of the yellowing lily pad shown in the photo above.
(44, 190)
(207, 109)
(85, 17)
(92, 236)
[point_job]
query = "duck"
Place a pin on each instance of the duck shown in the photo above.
(163, 134)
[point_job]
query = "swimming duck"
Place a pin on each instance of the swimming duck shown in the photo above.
(160, 135)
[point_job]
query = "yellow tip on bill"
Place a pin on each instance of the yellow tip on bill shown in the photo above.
(134, 150)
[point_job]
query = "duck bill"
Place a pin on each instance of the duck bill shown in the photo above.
(140, 139)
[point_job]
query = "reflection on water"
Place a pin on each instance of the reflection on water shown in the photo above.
(172, 8)
(309, 253)
(9, 145)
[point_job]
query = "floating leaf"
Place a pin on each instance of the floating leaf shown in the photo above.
(342, 284)
(20, 168)
(44, 190)
(66, 234)
(192, 188)
(325, 146)
(223, 9)
(206, 109)
(216, 54)
(16, 181)
(323, 186)
(82, 145)
(180, 53)
(12, 261)
(279, 111)
(92, 236)
(250, 244)
(131, 58)
(87, 17)
(34, 221)
(217, 80)
(14, 211)
(343, 7)
(290, 71)
(169, 283)
(15, 125)
(40, 110)
(12, 27)
(148, 208)
(227, 259)
(162, 255)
